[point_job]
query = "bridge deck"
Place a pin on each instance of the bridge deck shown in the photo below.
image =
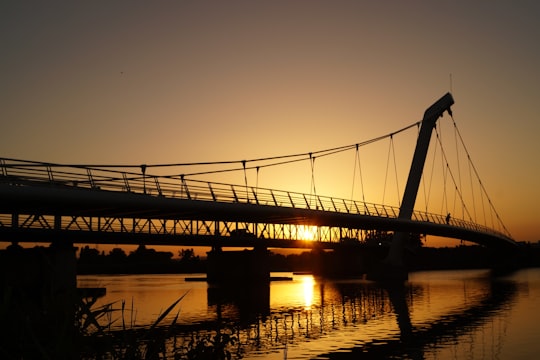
(96, 202)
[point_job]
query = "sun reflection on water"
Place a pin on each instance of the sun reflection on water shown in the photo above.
(307, 285)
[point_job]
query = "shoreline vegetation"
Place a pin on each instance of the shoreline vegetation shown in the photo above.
(150, 261)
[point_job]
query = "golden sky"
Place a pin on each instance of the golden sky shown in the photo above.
(135, 82)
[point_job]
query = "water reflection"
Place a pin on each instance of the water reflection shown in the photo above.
(415, 340)
(312, 317)
(239, 303)
(307, 285)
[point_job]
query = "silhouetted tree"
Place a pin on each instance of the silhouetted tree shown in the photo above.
(415, 241)
(187, 255)
(117, 255)
(89, 255)
(379, 238)
(384, 238)
(144, 255)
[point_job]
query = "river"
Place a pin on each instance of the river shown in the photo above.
(465, 314)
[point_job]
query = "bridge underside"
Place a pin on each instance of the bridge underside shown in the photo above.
(81, 215)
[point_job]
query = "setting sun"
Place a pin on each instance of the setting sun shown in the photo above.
(307, 232)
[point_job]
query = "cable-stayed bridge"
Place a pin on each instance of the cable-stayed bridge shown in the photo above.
(45, 202)
(67, 204)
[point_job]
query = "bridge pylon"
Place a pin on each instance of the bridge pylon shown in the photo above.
(393, 267)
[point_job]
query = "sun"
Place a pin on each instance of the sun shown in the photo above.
(307, 232)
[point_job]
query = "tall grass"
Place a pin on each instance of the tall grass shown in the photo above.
(157, 341)
(34, 330)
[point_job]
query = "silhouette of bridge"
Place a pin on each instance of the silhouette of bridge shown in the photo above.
(42, 202)
(45, 202)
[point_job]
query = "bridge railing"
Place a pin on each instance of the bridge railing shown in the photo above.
(177, 186)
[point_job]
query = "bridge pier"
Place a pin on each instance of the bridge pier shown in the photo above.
(342, 262)
(393, 267)
(245, 266)
(39, 292)
(504, 261)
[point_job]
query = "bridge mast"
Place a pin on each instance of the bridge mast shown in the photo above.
(395, 254)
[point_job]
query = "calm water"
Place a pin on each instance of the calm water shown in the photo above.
(436, 315)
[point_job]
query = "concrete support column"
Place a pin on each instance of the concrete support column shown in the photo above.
(251, 266)
(39, 291)
(14, 220)
(341, 263)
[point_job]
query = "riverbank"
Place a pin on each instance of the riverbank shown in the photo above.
(425, 258)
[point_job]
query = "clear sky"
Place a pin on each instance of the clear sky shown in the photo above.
(135, 82)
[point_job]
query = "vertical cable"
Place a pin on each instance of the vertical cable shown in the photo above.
(395, 170)
(143, 170)
(472, 189)
(257, 182)
(312, 187)
(459, 169)
(482, 187)
(444, 166)
(361, 177)
(387, 165)
(354, 173)
(245, 179)
(427, 196)
(357, 161)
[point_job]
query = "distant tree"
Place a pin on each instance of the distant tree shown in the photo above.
(415, 241)
(89, 255)
(304, 261)
(278, 262)
(384, 238)
(141, 250)
(117, 255)
(187, 255)
(142, 254)
(379, 238)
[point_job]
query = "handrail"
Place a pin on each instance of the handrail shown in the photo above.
(24, 172)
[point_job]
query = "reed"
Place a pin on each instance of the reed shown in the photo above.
(32, 329)
(157, 341)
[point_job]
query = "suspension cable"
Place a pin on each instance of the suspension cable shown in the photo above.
(361, 177)
(444, 203)
(458, 162)
(386, 173)
(472, 191)
(299, 157)
(257, 183)
(294, 157)
(354, 173)
(395, 170)
(312, 187)
(359, 163)
(427, 196)
(492, 208)
(457, 190)
(245, 179)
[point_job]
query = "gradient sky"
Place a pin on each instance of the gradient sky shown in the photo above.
(135, 82)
